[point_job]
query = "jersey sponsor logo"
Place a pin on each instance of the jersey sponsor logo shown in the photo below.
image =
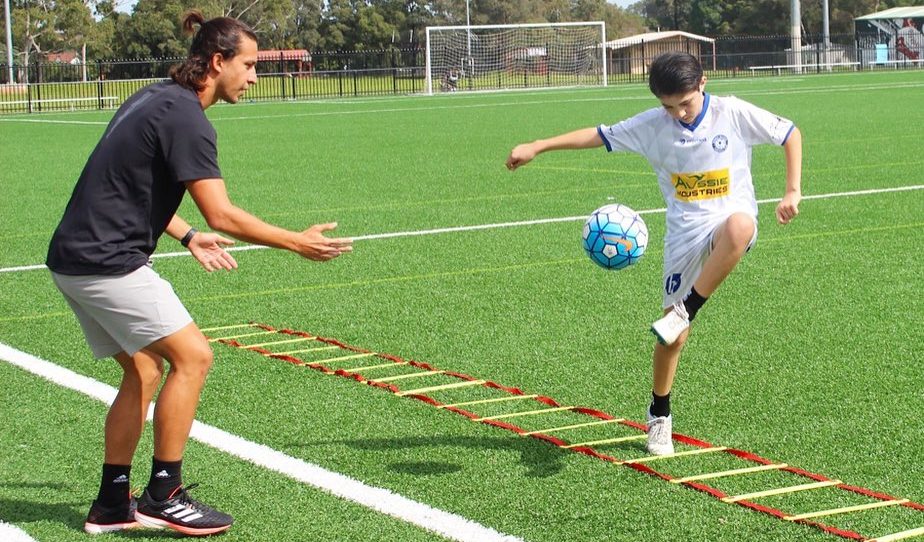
(719, 143)
(685, 141)
(703, 185)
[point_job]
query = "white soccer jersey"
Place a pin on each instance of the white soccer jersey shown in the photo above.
(703, 168)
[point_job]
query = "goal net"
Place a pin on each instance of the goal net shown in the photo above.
(493, 57)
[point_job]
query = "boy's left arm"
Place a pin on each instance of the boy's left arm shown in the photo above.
(788, 208)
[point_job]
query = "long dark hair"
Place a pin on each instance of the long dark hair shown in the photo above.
(218, 35)
(674, 73)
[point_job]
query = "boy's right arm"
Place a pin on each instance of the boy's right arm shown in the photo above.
(579, 139)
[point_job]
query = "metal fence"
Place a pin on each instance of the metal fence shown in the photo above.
(41, 86)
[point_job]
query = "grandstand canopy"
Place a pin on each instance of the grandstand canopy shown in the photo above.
(908, 12)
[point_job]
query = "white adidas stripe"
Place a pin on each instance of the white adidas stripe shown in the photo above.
(449, 525)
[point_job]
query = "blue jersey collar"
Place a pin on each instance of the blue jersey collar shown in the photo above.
(699, 118)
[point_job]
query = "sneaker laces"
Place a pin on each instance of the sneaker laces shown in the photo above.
(181, 494)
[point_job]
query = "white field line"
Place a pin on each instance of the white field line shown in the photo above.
(11, 533)
(499, 225)
(446, 524)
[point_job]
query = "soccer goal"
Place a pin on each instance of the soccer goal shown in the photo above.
(494, 57)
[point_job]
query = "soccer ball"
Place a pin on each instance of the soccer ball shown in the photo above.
(615, 236)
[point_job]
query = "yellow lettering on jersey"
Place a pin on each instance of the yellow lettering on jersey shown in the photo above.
(703, 185)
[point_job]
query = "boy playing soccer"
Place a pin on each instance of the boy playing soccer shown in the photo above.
(700, 147)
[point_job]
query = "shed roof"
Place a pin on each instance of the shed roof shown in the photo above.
(653, 36)
(907, 12)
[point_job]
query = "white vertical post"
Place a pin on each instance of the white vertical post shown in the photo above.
(9, 42)
(795, 32)
(427, 56)
(825, 30)
(603, 49)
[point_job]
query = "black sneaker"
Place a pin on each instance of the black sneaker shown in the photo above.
(181, 513)
(102, 519)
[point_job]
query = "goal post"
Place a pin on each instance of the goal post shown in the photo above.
(508, 56)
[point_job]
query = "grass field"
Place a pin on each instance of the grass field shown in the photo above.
(810, 354)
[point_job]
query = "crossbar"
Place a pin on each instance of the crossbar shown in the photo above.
(494, 400)
(286, 341)
(344, 358)
(782, 490)
(303, 350)
(676, 454)
(377, 366)
(570, 427)
(410, 375)
(899, 536)
(444, 387)
(608, 441)
(734, 472)
(240, 336)
(845, 509)
(219, 328)
(527, 413)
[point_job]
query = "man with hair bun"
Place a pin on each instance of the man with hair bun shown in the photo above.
(158, 146)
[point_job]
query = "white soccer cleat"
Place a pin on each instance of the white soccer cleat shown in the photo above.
(659, 435)
(671, 325)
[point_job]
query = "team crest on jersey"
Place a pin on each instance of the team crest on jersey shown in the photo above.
(703, 185)
(719, 143)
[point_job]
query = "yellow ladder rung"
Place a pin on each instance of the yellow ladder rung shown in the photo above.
(377, 366)
(734, 472)
(899, 536)
(846, 509)
(782, 490)
(344, 358)
(219, 328)
(411, 375)
(215, 339)
(608, 441)
(494, 400)
(569, 427)
(445, 387)
(300, 339)
(303, 350)
(677, 454)
(528, 413)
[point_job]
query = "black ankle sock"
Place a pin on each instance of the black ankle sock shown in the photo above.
(693, 302)
(114, 488)
(165, 477)
(660, 405)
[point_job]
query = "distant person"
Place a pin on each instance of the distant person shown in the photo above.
(452, 80)
(700, 147)
(158, 146)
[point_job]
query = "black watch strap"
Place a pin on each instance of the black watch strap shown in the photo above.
(188, 237)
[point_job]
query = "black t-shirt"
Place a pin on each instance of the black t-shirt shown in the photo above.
(133, 182)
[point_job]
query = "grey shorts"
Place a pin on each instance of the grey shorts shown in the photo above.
(123, 313)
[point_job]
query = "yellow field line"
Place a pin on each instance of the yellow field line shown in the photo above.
(608, 441)
(411, 375)
(445, 387)
(240, 336)
(300, 339)
(219, 328)
(575, 426)
(846, 509)
(671, 456)
(782, 490)
(528, 413)
(899, 536)
(303, 350)
(494, 400)
(734, 472)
